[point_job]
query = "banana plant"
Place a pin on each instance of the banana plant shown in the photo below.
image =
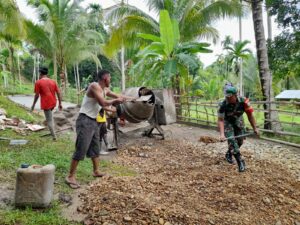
(166, 59)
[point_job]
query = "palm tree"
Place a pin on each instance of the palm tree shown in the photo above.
(237, 53)
(195, 19)
(11, 29)
(271, 115)
(63, 34)
(166, 58)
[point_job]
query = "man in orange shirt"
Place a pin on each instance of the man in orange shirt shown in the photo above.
(47, 88)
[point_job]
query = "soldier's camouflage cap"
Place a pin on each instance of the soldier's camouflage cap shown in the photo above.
(230, 91)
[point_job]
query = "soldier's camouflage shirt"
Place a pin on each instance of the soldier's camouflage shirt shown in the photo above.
(234, 112)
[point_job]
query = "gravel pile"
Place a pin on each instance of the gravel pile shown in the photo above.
(179, 182)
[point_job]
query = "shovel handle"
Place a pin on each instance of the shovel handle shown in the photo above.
(239, 136)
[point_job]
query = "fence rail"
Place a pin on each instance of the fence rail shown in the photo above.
(194, 110)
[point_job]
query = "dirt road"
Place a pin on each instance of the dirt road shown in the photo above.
(182, 181)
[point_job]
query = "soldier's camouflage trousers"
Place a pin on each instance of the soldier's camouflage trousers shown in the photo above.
(234, 129)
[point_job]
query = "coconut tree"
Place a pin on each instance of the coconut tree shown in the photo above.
(166, 58)
(271, 115)
(237, 52)
(195, 18)
(11, 29)
(63, 34)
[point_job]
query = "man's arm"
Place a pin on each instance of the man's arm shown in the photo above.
(221, 116)
(252, 122)
(59, 100)
(96, 92)
(36, 97)
(249, 111)
(110, 109)
(111, 94)
(221, 128)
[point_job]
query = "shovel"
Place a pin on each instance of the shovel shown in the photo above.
(208, 139)
(239, 136)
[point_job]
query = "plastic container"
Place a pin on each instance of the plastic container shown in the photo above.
(34, 186)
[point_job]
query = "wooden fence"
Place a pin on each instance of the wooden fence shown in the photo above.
(195, 111)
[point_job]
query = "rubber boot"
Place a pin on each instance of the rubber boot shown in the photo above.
(228, 157)
(240, 162)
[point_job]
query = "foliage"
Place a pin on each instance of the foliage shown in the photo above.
(166, 56)
(287, 12)
(284, 55)
(195, 19)
(63, 23)
(237, 52)
(87, 68)
(211, 87)
(284, 50)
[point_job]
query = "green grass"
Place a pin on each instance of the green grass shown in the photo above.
(25, 88)
(42, 151)
(14, 110)
(28, 216)
(259, 116)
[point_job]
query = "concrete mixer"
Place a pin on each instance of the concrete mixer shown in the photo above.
(155, 106)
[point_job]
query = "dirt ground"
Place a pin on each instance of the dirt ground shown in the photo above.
(183, 181)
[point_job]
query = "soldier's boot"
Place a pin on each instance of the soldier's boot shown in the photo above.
(228, 157)
(240, 162)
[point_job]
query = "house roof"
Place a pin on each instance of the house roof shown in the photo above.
(289, 94)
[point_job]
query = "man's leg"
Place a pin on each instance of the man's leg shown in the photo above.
(50, 122)
(71, 177)
(96, 171)
(94, 152)
(83, 140)
(229, 132)
(239, 130)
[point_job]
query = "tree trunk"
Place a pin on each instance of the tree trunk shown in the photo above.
(5, 83)
(263, 65)
(66, 77)
(269, 23)
(11, 56)
(19, 70)
(54, 67)
(123, 68)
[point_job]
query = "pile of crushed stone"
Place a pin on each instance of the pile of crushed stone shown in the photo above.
(66, 118)
(182, 183)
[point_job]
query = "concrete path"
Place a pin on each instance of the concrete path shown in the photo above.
(27, 100)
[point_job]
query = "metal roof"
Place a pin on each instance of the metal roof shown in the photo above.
(289, 94)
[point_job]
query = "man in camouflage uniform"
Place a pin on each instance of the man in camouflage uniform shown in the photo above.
(231, 123)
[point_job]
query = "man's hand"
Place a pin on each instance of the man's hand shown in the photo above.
(60, 107)
(256, 131)
(113, 109)
(222, 137)
(119, 100)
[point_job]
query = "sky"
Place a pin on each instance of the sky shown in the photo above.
(225, 27)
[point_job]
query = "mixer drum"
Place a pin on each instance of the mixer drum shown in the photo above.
(137, 111)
